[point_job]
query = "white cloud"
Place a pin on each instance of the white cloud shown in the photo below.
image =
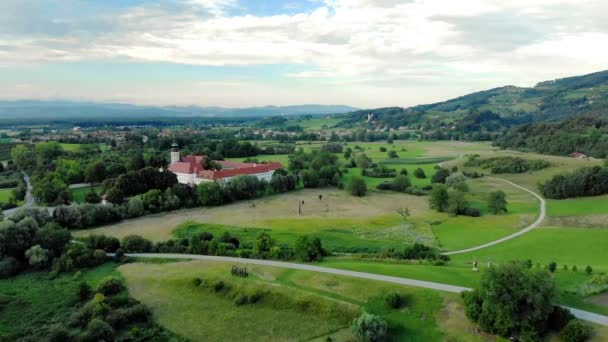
(374, 42)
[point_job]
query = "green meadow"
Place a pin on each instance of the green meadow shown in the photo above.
(79, 194)
(292, 304)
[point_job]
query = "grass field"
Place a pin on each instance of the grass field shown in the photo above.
(79, 194)
(31, 303)
(201, 314)
(5, 195)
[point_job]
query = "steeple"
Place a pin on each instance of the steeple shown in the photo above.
(174, 152)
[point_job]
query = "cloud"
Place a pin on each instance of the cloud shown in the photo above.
(371, 42)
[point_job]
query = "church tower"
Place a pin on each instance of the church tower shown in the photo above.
(174, 153)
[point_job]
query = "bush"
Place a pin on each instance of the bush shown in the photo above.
(552, 267)
(473, 212)
(559, 318)
(393, 300)
(588, 269)
(9, 267)
(357, 187)
(591, 181)
(136, 244)
(84, 291)
(370, 328)
(576, 331)
(110, 286)
(419, 173)
(98, 330)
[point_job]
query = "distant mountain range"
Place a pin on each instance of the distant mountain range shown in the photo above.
(30, 109)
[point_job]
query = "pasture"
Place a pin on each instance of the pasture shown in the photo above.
(5, 195)
(294, 305)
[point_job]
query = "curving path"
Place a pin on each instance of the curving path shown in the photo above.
(584, 315)
(539, 220)
(29, 197)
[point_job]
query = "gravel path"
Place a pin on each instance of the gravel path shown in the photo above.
(584, 315)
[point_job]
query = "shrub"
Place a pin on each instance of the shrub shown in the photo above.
(393, 300)
(473, 212)
(357, 187)
(588, 269)
(98, 330)
(419, 173)
(136, 244)
(110, 286)
(559, 318)
(37, 256)
(84, 291)
(574, 268)
(576, 331)
(497, 202)
(119, 254)
(370, 328)
(197, 281)
(9, 267)
(552, 267)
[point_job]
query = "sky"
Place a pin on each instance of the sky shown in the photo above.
(239, 53)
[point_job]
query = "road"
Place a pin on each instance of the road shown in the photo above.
(29, 197)
(539, 220)
(584, 315)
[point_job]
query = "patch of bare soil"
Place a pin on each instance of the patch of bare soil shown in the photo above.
(601, 299)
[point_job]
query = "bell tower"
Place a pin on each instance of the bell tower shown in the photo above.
(174, 153)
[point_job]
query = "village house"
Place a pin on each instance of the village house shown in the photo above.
(190, 169)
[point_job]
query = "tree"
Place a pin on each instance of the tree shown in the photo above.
(512, 299)
(309, 249)
(438, 198)
(457, 181)
(210, 193)
(440, 176)
(401, 183)
(457, 204)
(419, 173)
(552, 267)
(37, 256)
(92, 197)
(115, 196)
(363, 160)
(135, 244)
(98, 330)
(576, 331)
(96, 172)
(262, 245)
(24, 157)
(136, 162)
(135, 207)
(357, 186)
(393, 154)
(588, 269)
(370, 328)
(497, 202)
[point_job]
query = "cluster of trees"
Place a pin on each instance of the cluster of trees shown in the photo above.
(105, 313)
(513, 300)
(417, 251)
(587, 134)
(588, 181)
(306, 248)
(379, 172)
(30, 239)
(138, 182)
(316, 169)
(401, 183)
(449, 196)
(508, 164)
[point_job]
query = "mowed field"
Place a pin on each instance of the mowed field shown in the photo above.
(79, 194)
(294, 304)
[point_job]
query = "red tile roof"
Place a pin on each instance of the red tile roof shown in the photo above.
(193, 164)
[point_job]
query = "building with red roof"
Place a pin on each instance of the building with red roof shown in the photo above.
(190, 169)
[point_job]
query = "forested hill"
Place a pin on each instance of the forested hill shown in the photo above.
(586, 133)
(486, 115)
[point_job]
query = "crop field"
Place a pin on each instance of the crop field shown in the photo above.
(294, 305)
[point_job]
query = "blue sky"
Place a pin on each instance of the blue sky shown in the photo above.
(366, 53)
